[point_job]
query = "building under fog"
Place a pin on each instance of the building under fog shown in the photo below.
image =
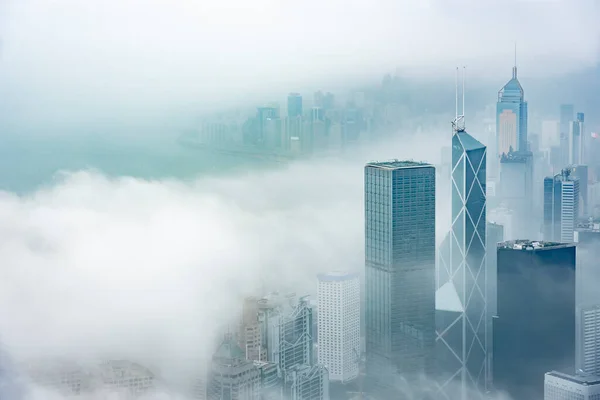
(305, 382)
(535, 325)
(400, 260)
(461, 300)
(561, 207)
(560, 386)
(339, 325)
(231, 376)
(511, 117)
(516, 190)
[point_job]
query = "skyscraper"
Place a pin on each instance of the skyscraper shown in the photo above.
(560, 386)
(535, 326)
(577, 140)
(232, 377)
(516, 189)
(294, 105)
(561, 207)
(468, 270)
(511, 117)
(587, 356)
(339, 325)
(567, 114)
(400, 271)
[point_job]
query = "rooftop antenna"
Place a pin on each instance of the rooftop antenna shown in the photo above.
(458, 125)
(515, 66)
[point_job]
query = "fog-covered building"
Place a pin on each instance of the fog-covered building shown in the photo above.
(535, 325)
(560, 386)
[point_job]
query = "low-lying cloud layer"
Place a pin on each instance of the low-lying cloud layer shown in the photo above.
(94, 267)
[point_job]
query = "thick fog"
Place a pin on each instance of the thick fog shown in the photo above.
(67, 59)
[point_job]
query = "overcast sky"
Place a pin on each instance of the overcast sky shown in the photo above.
(141, 54)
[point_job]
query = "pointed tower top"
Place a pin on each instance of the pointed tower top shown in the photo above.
(515, 65)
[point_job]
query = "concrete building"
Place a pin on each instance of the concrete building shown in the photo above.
(534, 329)
(587, 339)
(561, 207)
(560, 386)
(338, 321)
(231, 376)
(250, 335)
(304, 382)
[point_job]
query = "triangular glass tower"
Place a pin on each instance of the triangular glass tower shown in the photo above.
(462, 332)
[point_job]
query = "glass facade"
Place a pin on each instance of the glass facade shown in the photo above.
(400, 270)
(467, 269)
(511, 117)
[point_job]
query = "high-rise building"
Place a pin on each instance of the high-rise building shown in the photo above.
(511, 117)
(250, 333)
(231, 376)
(467, 272)
(581, 172)
(561, 207)
(567, 114)
(338, 316)
(304, 382)
(516, 190)
(560, 386)
(495, 235)
(399, 270)
(577, 140)
(535, 325)
(587, 356)
(294, 105)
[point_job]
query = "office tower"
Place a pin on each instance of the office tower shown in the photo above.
(294, 105)
(577, 140)
(511, 117)
(581, 172)
(339, 324)
(560, 386)
(495, 235)
(399, 270)
(324, 100)
(250, 337)
(516, 190)
(270, 381)
(587, 356)
(232, 377)
(550, 134)
(535, 325)
(303, 382)
(467, 271)
(561, 207)
(567, 115)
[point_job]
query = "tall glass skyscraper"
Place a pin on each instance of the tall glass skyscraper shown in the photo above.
(465, 294)
(511, 117)
(561, 207)
(400, 273)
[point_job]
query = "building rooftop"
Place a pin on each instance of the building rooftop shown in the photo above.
(516, 157)
(524, 244)
(122, 368)
(229, 350)
(468, 142)
(336, 276)
(585, 380)
(397, 164)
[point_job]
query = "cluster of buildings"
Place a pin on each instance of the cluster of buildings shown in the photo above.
(112, 379)
(324, 125)
(496, 307)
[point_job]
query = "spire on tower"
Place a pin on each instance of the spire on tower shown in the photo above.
(515, 65)
(458, 124)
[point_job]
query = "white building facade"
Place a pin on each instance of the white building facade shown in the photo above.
(587, 356)
(338, 325)
(559, 386)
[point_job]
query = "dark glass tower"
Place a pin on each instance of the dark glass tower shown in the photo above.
(535, 328)
(399, 272)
